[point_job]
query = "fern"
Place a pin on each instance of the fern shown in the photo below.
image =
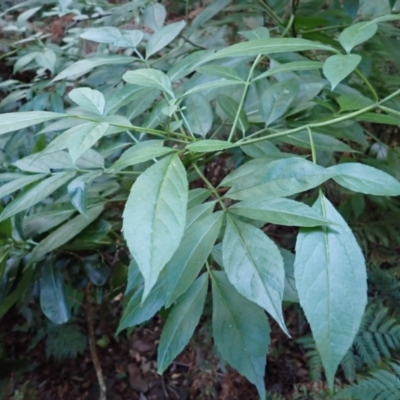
(313, 358)
(63, 341)
(386, 283)
(380, 385)
(378, 336)
(377, 340)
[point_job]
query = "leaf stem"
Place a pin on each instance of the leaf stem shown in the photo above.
(245, 89)
(323, 123)
(271, 13)
(369, 86)
(210, 186)
(289, 25)
(313, 153)
(389, 110)
(155, 132)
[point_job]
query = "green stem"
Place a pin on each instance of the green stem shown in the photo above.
(313, 153)
(314, 160)
(325, 28)
(210, 186)
(245, 89)
(208, 268)
(389, 110)
(323, 123)
(289, 25)
(271, 13)
(369, 86)
(155, 132)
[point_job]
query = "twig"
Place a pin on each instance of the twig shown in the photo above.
(92, 344)
(164, 389)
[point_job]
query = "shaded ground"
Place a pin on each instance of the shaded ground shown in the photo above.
(129, 367)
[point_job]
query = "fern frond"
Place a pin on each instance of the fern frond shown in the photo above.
(64, 341)
(377, 339)
(313, 358)
(380, 385)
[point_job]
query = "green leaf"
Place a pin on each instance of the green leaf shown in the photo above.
(130, 38)
(209, 145)
(212, 85)
(138, 311)
(321, 142)
(44, 162)
(290, 291)
(52, 294)
(240, 330)
(187, 65)
(155, 217)
(197, 196)
(18, 292)
(65, 233)
(148, 77)
(208, 12)
(181, 323)
(280, 178)
(365, 179)
(220, 71)
(268, 46)
(141, 152)
(19, 183)
(289, 67)
(198, 114)
(254, 266)
(77, 190)
(154, 16)
(105, 34)
(260, 32)
(351, 102)
(331, 283)
(36, 194)
(386, 18)
(14, 121)
(90, 99)
(163, 37)
(339, 66)
(191, 255)
(350, 7)
(261, 149)
(230, 108)
(85, 138)
(198, 212)
(357, 34)
(276, 100)
(97, 271)
(83, 66)
(40, 222)
(279, 211)
(379, 118)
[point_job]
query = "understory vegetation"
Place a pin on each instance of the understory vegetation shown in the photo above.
(221, 176)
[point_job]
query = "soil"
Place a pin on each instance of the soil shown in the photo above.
(129, 366)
